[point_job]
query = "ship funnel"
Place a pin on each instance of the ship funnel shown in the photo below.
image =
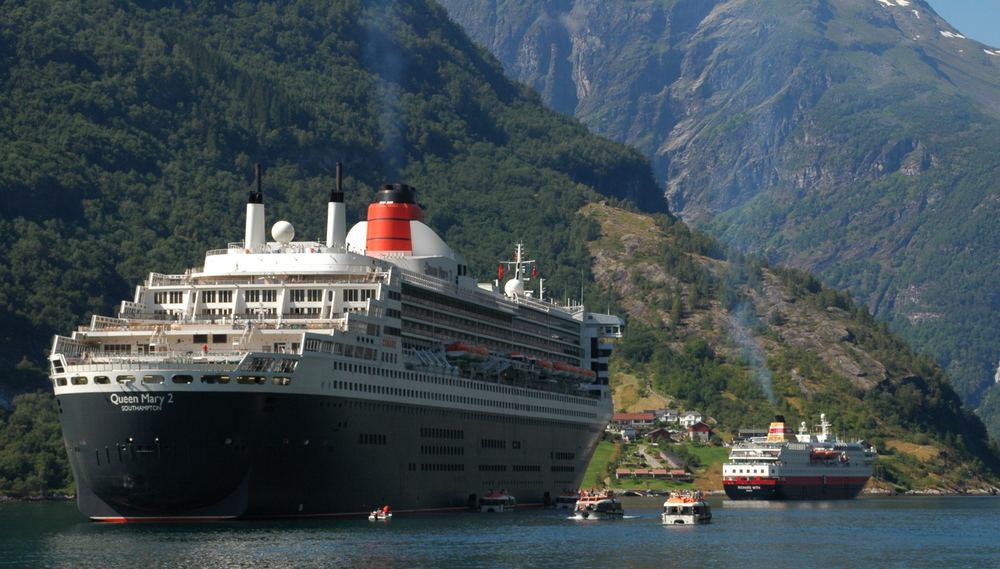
(336, 214)
(389, 218)
(254, 236)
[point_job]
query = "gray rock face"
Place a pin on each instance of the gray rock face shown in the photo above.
(848, 137)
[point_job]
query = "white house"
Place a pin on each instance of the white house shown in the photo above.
(689, 418)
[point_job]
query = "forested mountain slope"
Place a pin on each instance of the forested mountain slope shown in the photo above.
(852, 138)
(129, 132)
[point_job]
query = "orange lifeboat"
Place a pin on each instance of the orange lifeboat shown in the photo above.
(461, 350)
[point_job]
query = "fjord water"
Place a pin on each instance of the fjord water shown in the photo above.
(932, 532)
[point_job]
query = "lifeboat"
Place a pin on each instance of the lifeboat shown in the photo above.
(566, 500)
(463, 351)
(686, 508)
(497, 502)
(601, 505)
(564, 369)
(380, 515)
(823, 454)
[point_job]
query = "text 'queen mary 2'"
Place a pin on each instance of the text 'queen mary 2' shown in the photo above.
(293, 378)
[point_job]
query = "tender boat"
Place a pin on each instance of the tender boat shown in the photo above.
(686, 508)
(567, 500)
(497, 502)
(598, 506)
(380, 515)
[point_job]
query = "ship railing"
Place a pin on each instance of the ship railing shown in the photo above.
(345, 274)
(106, 322)
(239, 248)
(212, 361)
(152, 322)
(68, 347)
(162, 279)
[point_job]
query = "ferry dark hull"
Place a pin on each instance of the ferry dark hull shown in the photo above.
(798, 488)
(214, 455)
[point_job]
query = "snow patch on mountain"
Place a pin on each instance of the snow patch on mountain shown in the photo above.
(954, 35)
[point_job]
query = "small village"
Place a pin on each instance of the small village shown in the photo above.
(653, 451)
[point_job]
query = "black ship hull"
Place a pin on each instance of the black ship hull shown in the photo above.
(212, 455)
(797, 488)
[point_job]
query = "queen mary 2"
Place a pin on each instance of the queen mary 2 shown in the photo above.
(307, 378)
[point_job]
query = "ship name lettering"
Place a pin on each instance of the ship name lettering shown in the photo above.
(141, 402)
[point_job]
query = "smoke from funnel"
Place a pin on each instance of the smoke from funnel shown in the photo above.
(383, 56)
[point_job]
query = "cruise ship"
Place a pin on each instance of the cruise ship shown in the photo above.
(313, 378)
(786, 465)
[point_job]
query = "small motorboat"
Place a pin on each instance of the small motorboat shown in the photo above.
(566, 500)
(380, 515)
(598, 506)
(497, 502)
(686, 508)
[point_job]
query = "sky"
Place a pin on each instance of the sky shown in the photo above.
(976, 19)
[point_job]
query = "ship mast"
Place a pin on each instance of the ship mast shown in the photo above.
(520, 266)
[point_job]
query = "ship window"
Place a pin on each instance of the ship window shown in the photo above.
(78, 380)
(182, 379)
(250, 379)
(102, 379)
(215, 379)
(200, 338)
(277, 380)
(61, 381)
(152, 379)
(125, 378)
(219, 338)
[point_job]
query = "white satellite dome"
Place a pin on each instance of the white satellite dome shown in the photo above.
(514, 287)
(283, 232)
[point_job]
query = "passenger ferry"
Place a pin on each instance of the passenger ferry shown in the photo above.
(310, 378)
(803, 466)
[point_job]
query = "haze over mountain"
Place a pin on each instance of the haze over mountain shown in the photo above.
(853, 138)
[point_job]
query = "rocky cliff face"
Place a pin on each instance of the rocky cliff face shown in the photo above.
(847, 137)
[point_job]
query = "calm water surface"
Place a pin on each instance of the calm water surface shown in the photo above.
(937, 533)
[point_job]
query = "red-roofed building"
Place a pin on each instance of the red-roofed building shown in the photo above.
(634, 420)
(699, 432)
